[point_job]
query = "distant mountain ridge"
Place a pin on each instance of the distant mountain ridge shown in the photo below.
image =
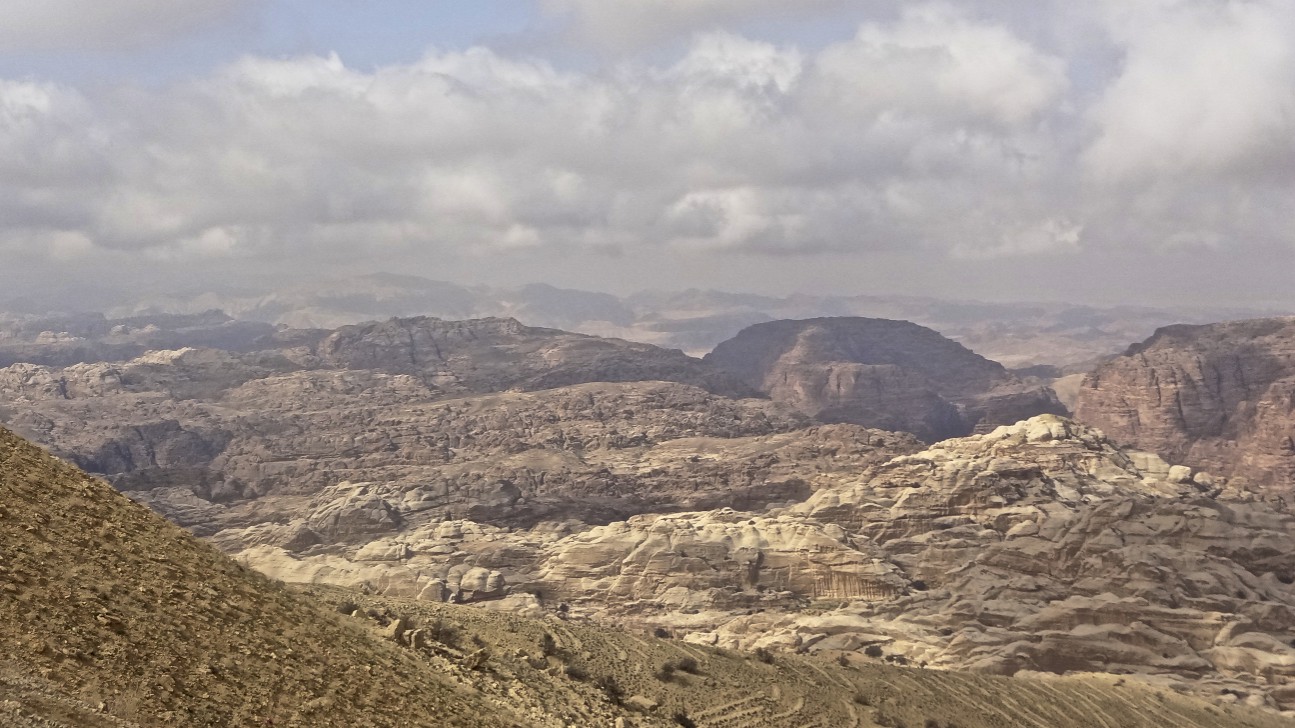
(1014, 334)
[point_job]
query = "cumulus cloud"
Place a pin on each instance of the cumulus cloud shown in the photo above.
(938, 133)
(42, 25)
(1207, 86)
(635, 23)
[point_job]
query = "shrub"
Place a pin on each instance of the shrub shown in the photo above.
(666, 672)
(347, 607)
(688, 665)
(576, 672)
(842, 660)
(764, 655)
(661, 633)
(444, 632)
(548, 645)
(862, 699)
(872, 651)
(612, 689)
(681, 718)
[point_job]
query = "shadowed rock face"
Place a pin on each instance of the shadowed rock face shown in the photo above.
(892, 375)
(1219, 397)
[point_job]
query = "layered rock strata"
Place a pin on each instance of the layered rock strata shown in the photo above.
(893, 375)
(1219, 397)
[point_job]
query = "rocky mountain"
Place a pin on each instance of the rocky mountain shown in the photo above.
(1219, 397)
(428, 463)
(1016, 334)
(113, 618)
(893, 375)
(1039, 547)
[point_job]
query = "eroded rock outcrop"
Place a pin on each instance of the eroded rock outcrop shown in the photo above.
(1040, 546)
(893, 375)
(1219, 397)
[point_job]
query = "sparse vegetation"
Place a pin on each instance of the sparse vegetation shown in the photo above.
(447, 633)
(548, 645)
(611, 688)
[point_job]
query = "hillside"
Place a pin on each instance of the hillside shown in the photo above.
(105, 602)
(892, 375)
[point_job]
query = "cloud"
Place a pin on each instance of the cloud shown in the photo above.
(940, 134)
(45, 25)
(1208, 86)
(628, 24)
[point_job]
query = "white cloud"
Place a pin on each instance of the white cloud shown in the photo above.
(43, 25)
(1208, 86)
(935, 61)
(622, 24)
(940, 134)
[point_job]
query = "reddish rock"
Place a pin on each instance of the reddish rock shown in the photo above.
(1219, 397)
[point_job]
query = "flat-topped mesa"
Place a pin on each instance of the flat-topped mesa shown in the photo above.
(1219, 397)
(495, 354)
(892, 375)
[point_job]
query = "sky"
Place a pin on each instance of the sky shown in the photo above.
(1112, 151)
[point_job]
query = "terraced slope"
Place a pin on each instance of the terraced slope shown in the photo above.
(717, 688)
(102, 601)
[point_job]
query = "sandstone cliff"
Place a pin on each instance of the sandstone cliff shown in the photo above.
(1219, 397)
(892, 375)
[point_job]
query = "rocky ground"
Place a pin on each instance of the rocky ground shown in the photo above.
(1219, 397)
(113, 618)
(430, 462)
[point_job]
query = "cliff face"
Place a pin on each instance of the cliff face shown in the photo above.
(1219, 397)
(892, 375)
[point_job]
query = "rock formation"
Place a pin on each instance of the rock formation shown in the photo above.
(485, 463)
(1038, 547)
(1219, 397)
(112, 617)
(892, 375)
